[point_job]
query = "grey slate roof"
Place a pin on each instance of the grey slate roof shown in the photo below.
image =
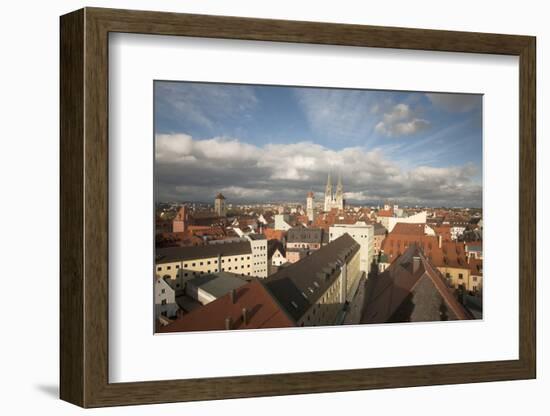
(300, 285)
(379, 229)
(174, 254)
(304, 235)
(217, 284)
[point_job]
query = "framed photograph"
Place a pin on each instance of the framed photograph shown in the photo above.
(255, 207)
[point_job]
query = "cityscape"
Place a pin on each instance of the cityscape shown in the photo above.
(343, 207)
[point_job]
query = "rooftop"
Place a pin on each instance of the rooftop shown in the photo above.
(389, 294)
(299, 286)
(217, 284)
(174, 254)
(304, 235)
(262, 311)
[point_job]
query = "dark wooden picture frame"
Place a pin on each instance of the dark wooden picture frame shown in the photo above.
(84, 207)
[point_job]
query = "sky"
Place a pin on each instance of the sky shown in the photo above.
(257, 143)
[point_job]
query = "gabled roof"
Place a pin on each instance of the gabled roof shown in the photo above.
(300, 285)
(388, 291)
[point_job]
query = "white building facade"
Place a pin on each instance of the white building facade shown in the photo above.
(363, 234)
(259, 265)
(390, 222)
(165, 299)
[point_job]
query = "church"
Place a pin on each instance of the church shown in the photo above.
(336, 200)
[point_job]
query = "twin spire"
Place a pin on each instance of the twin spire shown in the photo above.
(334, 200)
(339, 187)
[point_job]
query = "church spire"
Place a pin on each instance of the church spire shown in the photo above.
(328, 189)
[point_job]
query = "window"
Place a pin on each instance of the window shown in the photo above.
(185, 265)
(168, 267)
(460, 276)
(159, 269)
(201, 263)
(193, 264)
(474, 278)
(177, 266)
(163, 302)
(208, 262)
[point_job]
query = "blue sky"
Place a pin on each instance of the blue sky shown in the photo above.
(272, 143)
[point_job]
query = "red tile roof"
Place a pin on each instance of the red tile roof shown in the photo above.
(408, 229)
(263, 311)
(450, 254)
(393, 286)
(272, 234)
(385, 213)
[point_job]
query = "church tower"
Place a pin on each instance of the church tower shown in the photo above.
(339, 194)
(309, 207)
(219, 205)
(328, 195)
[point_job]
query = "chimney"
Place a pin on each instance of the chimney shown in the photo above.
(245, 316)
(439, 238)
(228, 323)
(233, 295)
(219, 263)
(415, 263)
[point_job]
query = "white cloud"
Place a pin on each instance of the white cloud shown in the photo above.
(191, 169)
(400, 121)
(455, 103)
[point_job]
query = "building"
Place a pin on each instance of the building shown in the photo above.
(449, 257)
(282, 222)
(258, 245)
(379, 235)
(336, 200)
(276, 254)
(411, 290)
(219, 205)
(474, 250)
(315, 290)
(389, 219)
(185, 263)
(181, 220)
(300, 242)
(207, 288)
(251, 306)
(310, 206)
(475, 283)
(362, 233)
(165, 298)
